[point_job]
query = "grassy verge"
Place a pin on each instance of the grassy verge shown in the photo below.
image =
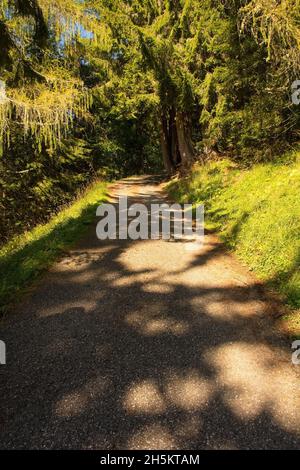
(27, 255)
(257, 213)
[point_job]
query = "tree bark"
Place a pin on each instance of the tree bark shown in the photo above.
(184, 140)
(176, 142)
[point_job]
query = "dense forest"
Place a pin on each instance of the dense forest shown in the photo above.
(120, 331)
(115, 87)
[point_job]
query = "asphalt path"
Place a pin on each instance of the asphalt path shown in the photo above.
(147, 345)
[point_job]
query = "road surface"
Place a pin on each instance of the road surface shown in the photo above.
(146, 345)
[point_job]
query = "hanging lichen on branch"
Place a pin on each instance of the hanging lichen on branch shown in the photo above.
(275, 24)
(45, 112)
(69, 19)
(43, 91)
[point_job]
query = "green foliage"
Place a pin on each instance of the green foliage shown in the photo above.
(224, 68)
(35, 185)
(76, 103)
(256, 211)
(44, 91)
(107, 86)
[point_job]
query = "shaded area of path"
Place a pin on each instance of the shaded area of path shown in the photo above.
(146, 345)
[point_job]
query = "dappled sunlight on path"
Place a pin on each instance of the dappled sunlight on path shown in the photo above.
(146, 345)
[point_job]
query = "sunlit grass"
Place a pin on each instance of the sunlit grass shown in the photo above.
(257, 213)
(27, 255)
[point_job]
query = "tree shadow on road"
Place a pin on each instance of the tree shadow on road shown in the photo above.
(116, 351)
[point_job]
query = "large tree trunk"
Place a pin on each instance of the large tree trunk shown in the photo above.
(185, 144)
(176, 143)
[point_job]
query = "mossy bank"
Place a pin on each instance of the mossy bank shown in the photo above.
(27, 255)
(256, 211)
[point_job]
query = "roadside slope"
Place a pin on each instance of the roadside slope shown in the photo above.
(256, 212)
(26, 256)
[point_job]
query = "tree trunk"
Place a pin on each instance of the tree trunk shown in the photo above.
(176, 143)
(184, 140)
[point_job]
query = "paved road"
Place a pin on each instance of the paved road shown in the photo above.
(147, 345)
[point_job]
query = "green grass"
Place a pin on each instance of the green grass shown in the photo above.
(257, 213)
(26, 256)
